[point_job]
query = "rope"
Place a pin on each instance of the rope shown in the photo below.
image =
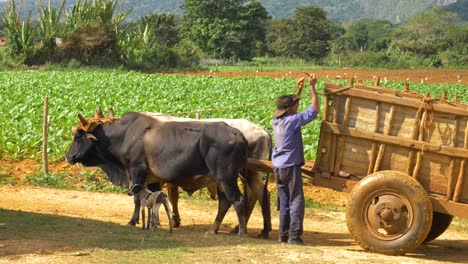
(428, 108)
(218, 109)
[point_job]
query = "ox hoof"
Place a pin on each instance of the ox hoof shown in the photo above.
(235, 230)
(263, 235)
(175, 222)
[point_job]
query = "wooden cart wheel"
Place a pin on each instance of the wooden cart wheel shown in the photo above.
(440, 223)
(389, 212)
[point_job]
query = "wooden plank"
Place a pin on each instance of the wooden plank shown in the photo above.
(332, 155)
(381, 152)
(442, 205)
(341, 140)
(459, 109)
(414, 136)
(373, 153)
(377, 89)
(325, 109)
(267, 166)
(451, 173)
(260, 165)
(377, 81)
(355, 132)
(420, 155)
(461, 175)
(335, 183)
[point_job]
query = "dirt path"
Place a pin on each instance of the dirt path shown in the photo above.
(326, 235)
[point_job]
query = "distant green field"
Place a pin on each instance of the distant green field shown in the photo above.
(71, 92)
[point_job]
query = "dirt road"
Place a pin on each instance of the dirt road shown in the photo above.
(326, 235)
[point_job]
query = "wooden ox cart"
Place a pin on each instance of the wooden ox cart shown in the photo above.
(401, 155)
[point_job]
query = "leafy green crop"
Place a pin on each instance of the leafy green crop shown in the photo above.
(72, 92)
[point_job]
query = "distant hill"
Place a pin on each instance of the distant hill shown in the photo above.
(395, 11)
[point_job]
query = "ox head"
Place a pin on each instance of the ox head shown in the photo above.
(84, 140)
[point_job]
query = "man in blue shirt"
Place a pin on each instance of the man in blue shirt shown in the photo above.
(288, 158)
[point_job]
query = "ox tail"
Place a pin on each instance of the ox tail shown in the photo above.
(266, 210)
(246, 196)
(243, 152)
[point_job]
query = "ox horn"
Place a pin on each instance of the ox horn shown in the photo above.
(82, 120)
(111, 112)
(98, 113)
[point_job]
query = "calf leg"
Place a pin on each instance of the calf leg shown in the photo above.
(148, 222)
(168, 212)
(143, 223)
(155, 215)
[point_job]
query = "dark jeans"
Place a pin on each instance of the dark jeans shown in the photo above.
(291, 201)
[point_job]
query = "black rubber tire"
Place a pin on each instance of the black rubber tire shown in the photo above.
(389, 212)
(440, 223)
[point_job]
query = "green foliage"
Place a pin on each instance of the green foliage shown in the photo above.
(395, 11)
(227, 29)
(309, 203)
(311, 33)
(91, 31)
(154, 42)
(231, 30)
(49, 27)
(460, 7)
(163, 27)
(76, 92)
(350, 10)
(141, 50)
(53, 180)
(307, 35)
(97, 181)
(279, 38)
(374, 35)
(73, 92)
(6, 177)
(21, 34)
(434, 36)
(427, 34)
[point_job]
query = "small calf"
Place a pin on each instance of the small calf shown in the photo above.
(152, 201)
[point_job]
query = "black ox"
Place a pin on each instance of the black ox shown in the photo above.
(139, 149)
(260, 143)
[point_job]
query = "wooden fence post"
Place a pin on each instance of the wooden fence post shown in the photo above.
(44, 135)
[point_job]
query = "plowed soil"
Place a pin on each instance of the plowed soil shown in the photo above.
(413, 75)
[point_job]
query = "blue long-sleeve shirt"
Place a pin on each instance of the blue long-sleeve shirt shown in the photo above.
(289, 150)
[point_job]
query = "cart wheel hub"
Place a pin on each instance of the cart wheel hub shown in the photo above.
(387, 215)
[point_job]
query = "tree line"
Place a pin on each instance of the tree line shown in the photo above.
(95, 32)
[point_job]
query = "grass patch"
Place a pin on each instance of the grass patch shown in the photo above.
(264, 65)
(76, 233)
(459, 224)
(309, 203)
(6, 177)
(87, 180)
(52, 180)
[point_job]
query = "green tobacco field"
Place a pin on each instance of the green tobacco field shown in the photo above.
(71, 92)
